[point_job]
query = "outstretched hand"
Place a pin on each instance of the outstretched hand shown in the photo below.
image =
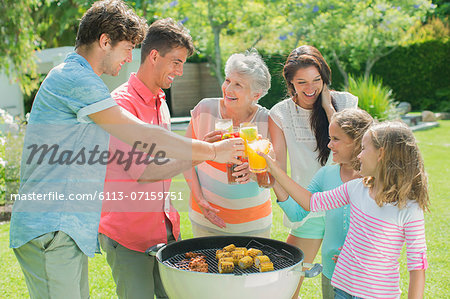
(213, 136)
(227, 150)
(270, 159)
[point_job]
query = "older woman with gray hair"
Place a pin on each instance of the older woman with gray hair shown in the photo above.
(216, 207)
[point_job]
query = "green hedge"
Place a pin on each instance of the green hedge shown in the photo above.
(418, 74)
(277, 91)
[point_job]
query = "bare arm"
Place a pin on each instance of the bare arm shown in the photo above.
(279, 147)
(155, 173)
(297, 192)
(192, 180)
(326, 102)
(128, 128)
(416, 284)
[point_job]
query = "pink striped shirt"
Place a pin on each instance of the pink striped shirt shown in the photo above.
(368, 264)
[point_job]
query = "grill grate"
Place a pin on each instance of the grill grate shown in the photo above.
(280, 259)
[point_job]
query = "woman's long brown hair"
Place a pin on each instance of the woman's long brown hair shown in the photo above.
(303, 57)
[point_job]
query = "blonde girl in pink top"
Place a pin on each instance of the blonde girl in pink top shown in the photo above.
(387, 208)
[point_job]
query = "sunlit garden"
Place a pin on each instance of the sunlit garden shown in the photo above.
(392, 55)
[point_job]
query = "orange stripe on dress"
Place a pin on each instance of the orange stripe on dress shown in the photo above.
(219, 166)
(232, 216)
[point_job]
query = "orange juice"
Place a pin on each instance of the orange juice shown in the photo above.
(256, 162)
(248, 132)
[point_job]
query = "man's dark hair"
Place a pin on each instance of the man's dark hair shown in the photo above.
(114, 18)
(164, 35)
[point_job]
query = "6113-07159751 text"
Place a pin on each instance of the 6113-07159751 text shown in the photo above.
(136, 196)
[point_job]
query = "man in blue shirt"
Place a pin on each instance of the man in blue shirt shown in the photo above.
(56, 214)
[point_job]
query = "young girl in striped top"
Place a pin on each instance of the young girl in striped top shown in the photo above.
(347, 128)
(387, 208)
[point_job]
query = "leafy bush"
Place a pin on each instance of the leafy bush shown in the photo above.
(417, 73)
(11, 143)
(434, 29)
(373, 97)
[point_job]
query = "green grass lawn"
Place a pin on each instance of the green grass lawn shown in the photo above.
(435, 147)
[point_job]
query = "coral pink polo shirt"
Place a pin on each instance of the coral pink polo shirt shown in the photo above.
(135, 214)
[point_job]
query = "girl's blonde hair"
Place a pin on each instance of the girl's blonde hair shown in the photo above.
(354, 122)
(400, 172)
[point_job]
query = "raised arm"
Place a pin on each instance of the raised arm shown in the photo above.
(301, 195)
(128, 128)
(155, 173)
(279, 147)
(327, 103)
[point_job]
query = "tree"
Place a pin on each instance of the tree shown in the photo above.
(212, 21)
(17, 42)
(354, 32)
(30, 25)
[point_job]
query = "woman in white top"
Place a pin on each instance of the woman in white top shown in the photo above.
(299, 125)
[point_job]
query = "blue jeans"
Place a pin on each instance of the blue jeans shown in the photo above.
(340, 294)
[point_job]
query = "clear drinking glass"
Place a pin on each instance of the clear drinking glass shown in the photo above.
(256, 162)
(249, 132)
(224, 125)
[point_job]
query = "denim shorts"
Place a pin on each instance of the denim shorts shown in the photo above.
(340, 294)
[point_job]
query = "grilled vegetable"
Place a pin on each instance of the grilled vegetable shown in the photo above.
(245, 262)
(229, 248)
(237, 255)
(218, 252)
(241, 249)
(254, 252)
(223, 254)
(226, 259)
(226, 267)
(267, 266)
(261, 259)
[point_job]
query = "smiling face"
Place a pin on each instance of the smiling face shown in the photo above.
(340, 144)
(237, 92)
(308, 85)
(117, 56)
(369, 156)
(169, 66)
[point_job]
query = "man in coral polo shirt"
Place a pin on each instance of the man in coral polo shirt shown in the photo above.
(138, 213)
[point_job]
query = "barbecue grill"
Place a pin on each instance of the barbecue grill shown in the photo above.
(181, 283)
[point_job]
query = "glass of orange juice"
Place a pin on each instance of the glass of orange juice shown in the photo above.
(249, 132)
(256, 162)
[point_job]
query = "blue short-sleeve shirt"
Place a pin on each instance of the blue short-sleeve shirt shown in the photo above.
(64, 158)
